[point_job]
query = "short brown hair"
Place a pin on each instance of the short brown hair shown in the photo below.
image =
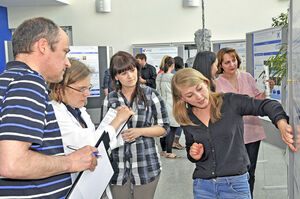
(141, 56)
(76, 72)
(31, 31)
(221, 54)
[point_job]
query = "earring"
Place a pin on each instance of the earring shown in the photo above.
(186, 105)
(117, 83)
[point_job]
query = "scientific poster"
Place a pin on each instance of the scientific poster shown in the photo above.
(266, 43)
(155, 54)
(89, 56)
(240, 48)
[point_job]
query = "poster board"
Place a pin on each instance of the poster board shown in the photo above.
(238, 45)
(293, 99)
(89, 55)
(155, 52)
(260, 46)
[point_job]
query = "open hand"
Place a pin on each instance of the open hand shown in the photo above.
(286, 133)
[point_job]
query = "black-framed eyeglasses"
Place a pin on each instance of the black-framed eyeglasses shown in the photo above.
(82, 90)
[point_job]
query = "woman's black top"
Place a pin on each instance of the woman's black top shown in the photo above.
(224, 149)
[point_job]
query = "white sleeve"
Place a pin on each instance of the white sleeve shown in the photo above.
(115, 142)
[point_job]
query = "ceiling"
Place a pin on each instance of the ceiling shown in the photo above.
(24, 3)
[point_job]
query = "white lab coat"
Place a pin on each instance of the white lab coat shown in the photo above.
(74, 134)
(71, 130)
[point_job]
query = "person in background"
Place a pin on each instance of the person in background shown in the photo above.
(68, 99)
(163, 87)
(206, 62)
(213, 128)
(107, 86)
(148, 72)
(232, 80)
(179, 64)
(138, 164)
(162, 63)
(32, 159)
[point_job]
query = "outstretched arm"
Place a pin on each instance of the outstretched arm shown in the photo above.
(286, 133)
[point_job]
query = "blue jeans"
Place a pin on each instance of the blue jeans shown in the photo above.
(233, 187)
(178, 132)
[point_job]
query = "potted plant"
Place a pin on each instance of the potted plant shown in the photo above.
(278, 64)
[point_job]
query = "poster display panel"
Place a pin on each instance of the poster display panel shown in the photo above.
(240, 48)
(294, 96)
(155, 54)
(266, 43)
(89, 56)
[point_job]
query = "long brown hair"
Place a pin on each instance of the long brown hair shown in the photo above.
(188, 77)
(123, 61)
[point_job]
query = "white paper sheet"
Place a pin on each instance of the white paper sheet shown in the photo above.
(92, 184)
(108, 118)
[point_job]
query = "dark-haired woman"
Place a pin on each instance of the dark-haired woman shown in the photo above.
(163, 86)
(138, 164)
(206, 62)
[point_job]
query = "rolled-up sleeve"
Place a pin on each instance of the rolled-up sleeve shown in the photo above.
(160, 113)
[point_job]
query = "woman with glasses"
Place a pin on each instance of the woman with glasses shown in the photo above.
(138, 164)
(68, 100)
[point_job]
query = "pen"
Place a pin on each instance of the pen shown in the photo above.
(75, 148)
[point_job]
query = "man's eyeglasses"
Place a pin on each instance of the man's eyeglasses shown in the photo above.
(82, 90)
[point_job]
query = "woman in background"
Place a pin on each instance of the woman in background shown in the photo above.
(206, 62)
(179, 64)
(163, 87)
(232, 80)
(213, 128)
(162, 64)
(137, 163)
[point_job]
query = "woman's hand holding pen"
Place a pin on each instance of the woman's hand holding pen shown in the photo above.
(196, 151)
(123, 113)
(83, 159)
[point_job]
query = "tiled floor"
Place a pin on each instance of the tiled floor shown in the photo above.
(271, 175)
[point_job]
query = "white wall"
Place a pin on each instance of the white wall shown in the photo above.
(154, 21)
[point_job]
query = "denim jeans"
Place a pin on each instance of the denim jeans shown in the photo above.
(178, 132)
(233, 187)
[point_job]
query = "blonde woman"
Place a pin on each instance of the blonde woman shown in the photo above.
(213, 128)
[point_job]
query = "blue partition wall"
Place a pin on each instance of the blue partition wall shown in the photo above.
(5, 34)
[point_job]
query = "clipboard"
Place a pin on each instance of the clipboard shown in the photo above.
(74, 191)
(104, 139)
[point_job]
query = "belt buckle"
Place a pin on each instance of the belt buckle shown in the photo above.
(214, 180)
